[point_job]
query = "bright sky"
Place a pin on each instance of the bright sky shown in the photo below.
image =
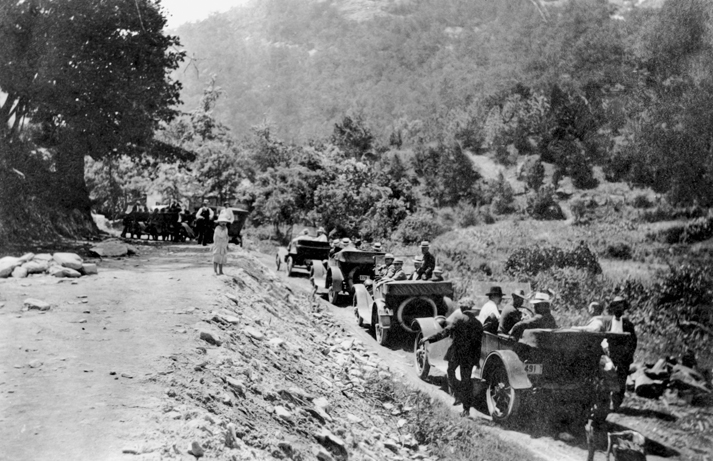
(180, 11)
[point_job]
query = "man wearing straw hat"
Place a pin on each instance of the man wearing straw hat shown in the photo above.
(429, 262)
(511, 314)
(417, 263)
(542, 319)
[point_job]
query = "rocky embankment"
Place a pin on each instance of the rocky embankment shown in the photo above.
(275, 377)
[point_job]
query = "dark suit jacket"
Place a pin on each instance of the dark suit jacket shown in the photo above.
(467, 334)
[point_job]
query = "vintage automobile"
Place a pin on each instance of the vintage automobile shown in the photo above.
(303, 251)
(344, 271)
(561, 367)
(397, 304)
(236, 227)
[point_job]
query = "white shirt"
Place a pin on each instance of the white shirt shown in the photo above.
(617, 325)
(489, 308)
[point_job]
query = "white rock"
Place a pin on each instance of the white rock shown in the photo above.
(26, 257)
(70, 260)
(42, 257)
(63, 272)
(276, 342)
(32, 303)
(19, 272)
(89, 269)
(347, 344)
(36, 267)
(112, 248)
(254, 333)
(35, 363)
(7, 264)
(283, 413)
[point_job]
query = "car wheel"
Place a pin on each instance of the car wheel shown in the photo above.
(290, 265)
(380, 334)
(332, 296)
(503, 401)
(421, 358)
(359, 320)
(278, 262)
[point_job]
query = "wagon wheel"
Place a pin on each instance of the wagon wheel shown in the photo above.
(421, 358)
(290, 265)
(382, 336)
(503, 401)
(278, 261)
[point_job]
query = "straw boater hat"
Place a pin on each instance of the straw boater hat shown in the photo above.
(541, 298)
(437, 270)
(376, 246)
(520, 295)
(321, 230)
(494, 291)
(388, 256)
(418, 259)
(425, 244)
(398, 261)
(346, 241)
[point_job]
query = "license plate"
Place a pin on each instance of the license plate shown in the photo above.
(533, 368)
(363, 277)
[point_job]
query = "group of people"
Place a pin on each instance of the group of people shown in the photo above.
(466, 331)
(424, 267)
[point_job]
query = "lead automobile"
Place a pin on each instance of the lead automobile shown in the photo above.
(560, 366)
(343, 272)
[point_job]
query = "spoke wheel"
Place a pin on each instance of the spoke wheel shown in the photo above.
(333, 296)
(290, 265)
(359, 320)
(380, 334)
(421, 358)
(278, 262)
(503, 401)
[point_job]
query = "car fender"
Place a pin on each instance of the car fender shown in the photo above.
(319, 275)
(337, 279)
(436, 352)
(514, 368)
(363, 303)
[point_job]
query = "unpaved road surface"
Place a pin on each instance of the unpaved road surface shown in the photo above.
(113, 371)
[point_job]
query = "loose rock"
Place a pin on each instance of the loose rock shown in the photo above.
(19, 272)
(210, 338)
(70, 260)
(37, 304)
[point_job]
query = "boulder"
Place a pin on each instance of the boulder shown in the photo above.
(59, 271)
(19, 272)
(26, 257)
(70, 260)
(43, 257)
(36, 266)
(112, 249)
(89, 269)
(37, 304)
(7, 265)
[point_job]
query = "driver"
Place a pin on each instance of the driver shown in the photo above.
(543, 318)
(384, 269)
(511, 314)
(398, 273)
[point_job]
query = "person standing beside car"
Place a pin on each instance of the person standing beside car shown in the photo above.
(622, 355)
(204, 218)
(464, 353)
(489, 315)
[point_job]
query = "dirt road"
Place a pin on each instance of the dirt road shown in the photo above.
(88, 379)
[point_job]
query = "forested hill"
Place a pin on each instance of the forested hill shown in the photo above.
(300, 65)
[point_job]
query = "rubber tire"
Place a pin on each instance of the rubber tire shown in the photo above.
(278, 262)
(290, 265)
(500, 396)
(382, 336)
(332, 296)
(359, 320)
(420, 358)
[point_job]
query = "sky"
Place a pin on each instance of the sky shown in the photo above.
(180, 11)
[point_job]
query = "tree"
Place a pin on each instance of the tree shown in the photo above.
(447, 174)
(93, 77)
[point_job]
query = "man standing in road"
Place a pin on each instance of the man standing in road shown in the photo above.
(204, 218)
(621, 355)
(429, 262)
(464, 353)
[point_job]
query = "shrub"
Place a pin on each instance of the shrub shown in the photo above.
(467, 215)
(619, 251)
(641, 201)
(696, 231)
(533, 172)
(417, 227)
(531, 261)
(579, 209)
(542, 205)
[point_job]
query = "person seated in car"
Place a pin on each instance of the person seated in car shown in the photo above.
(304, 235)
(543, 318)
(347, 244)
(437, 274)
(511, 314)
(376, 246)
(429, 262)
(386, 269)
(417, 263)
(398, 273)
(322, 235)
(595, 323)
